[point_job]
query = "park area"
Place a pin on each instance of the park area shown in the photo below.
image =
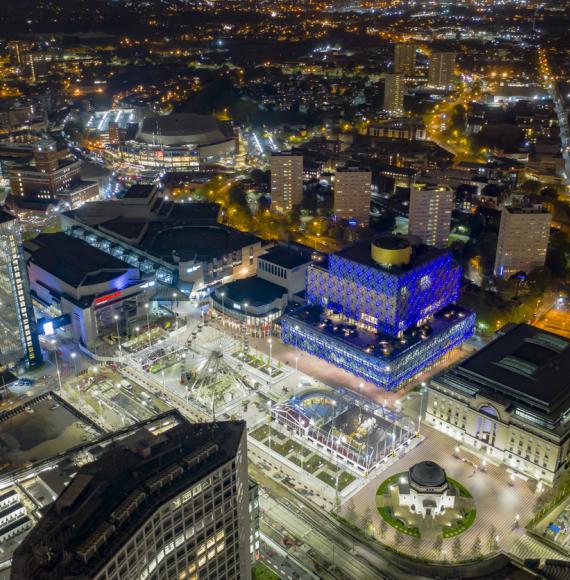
(453, 522)
(307, 459)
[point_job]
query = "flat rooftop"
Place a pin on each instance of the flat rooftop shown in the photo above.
(44, 427)
(255, 291)
(380, 345)
(361, 253)
(526, 210)
(139, 191)
(6, 216)
(526, 365)
(74, 261)
(110, 497)
(189, 241)
(286, 257)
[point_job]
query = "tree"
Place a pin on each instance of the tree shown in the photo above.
(457, 119)
(259, 176)
(531, 186)
(295, 217)
(549, 193)
(456, 549)
(539, 280)
(476, 548)
(383, 527)
(558, 249)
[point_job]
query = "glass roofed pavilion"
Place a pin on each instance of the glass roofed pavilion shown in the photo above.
(382, 311)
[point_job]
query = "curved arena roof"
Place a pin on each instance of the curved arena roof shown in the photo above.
(184, 129)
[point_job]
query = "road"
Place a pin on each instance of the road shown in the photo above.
(309, 525)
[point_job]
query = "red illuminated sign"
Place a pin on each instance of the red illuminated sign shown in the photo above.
(107, 297)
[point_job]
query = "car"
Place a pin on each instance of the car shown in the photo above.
(126, 385)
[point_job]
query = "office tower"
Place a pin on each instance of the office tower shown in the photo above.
(394, 93)
(441, 68)
(405, 58)
(55, 175)
(18, 336)
(171, 504)
(114, 133)
(523, 240)
(286, 180)
(399, 128)
(16, 50)
(352, 190)
(430, 214)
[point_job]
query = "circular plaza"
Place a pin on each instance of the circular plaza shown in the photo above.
(425, 503)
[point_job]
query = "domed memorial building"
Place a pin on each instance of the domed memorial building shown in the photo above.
(427, 491)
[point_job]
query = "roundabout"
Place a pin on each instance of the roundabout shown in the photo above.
(424, 503)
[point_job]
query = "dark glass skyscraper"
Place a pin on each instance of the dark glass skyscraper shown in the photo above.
(16, 305)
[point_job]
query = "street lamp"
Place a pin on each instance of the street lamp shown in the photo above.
(270, 352)
(74, 356)
(223, 294)
(297, 362)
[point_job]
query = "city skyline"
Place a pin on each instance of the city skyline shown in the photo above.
(284, 289)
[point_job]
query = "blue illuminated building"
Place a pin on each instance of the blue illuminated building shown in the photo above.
(382, 311)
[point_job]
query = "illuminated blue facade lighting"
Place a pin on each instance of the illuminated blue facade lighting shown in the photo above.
(387, 372)
(394, 300)
(383, 324)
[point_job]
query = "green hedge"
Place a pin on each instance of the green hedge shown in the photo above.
(383, 488)
(387, 516)
(463, 491)
(461, 526)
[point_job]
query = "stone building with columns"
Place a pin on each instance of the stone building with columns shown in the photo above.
(510, 401)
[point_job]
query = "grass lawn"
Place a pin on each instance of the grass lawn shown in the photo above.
(463, 491)
(461, 526)
(316, 462)
(386, 514)
(343, 480)
(260, 433)
(383, 488)
(328, 479)
(262, 572)
(281, 447)
(296, 459)
(298, 449)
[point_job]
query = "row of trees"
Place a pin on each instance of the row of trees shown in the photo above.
(458, 549)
